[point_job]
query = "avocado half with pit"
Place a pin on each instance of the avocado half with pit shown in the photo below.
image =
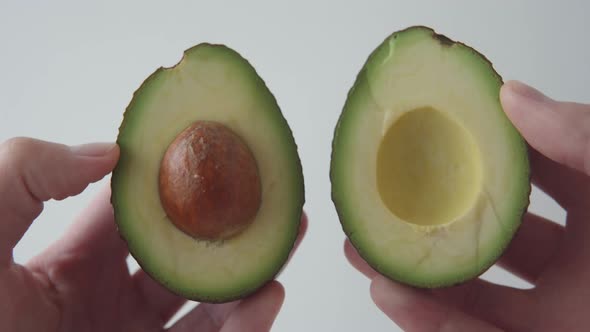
(429, 177)
(208, 191)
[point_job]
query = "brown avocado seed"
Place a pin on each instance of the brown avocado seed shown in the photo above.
(209, 184)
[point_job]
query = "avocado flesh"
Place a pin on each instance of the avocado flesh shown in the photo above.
(214, 83)
(429, 177)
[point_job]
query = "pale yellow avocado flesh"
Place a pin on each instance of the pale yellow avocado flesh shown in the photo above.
(429, 177)
(428, 168)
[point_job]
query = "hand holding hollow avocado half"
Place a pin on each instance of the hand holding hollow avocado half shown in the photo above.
(429, 176)
(420, 231)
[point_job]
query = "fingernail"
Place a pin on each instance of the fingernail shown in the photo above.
(526, 92)
(93, 149)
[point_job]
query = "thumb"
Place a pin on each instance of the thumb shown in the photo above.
(558, 130)
(34, 171)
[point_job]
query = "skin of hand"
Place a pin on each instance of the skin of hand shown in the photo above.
(81, 282)
(553, 258)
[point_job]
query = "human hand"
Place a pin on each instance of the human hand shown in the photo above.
(82, 282)
(555, 259)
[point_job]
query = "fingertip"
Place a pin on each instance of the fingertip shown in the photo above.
(511, 89)
(108, 152)
(273, 293)
(511, 85)
(272, 296)
(357, 261)
(277, 295)
(389, 299)
(115, 151)
(97, 149)
(407, 306)
(349, 252)
(518, 88)
(558, 130)
(509, 99)
(391, 294)
(281, 293)
(99, 162)
(259, 311)
(113, 156)
(518, 98)
(381, 291)
(507, 86)
(304, 225)
(276, 288)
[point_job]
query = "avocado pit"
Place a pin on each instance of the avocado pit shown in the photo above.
(209, 184)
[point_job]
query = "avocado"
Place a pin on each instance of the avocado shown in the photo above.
(208, 191)
(429, 177)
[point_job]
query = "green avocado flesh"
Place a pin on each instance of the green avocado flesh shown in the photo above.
(429, 177)
(211, 83)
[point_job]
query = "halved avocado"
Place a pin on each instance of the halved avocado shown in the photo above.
(429, 177)
(208, 191)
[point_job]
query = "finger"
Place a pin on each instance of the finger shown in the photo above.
(33, 171)
(508, 308)
(416, 310)
(155, 298)
(255, 313)
(164, 303)
(559, 130)
(94, 233)
(533, 247)
(92, 239)
(357, 261)
(206, 317)
(474, 297)
(303, 225)
(570, 188)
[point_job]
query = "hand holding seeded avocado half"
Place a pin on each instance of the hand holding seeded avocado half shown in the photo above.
(209, 211)
(555, 259)
(81, 283)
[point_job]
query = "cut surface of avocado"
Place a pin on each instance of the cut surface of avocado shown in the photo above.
(212, 92)
(429, 177)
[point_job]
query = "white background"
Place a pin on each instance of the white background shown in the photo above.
(68, 70)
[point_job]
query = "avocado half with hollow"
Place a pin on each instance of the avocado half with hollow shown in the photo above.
(208, 191)
(429, 177)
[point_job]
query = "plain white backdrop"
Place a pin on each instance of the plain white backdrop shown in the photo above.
(68, 70)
